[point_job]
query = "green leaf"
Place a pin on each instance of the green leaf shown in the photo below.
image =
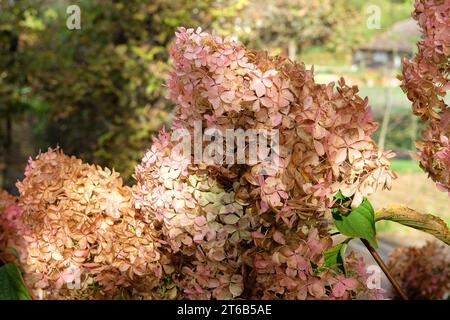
(359, 223)
(12, 286)
(339, 196)
(334, 257)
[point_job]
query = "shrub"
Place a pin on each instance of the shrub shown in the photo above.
(224, 229)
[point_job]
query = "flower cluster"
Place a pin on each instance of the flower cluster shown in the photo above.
(324, 132)
(10, 226)
(424, 273)
(425, 81)
(257, 230)
(82, 238)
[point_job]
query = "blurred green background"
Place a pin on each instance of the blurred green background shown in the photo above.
(98, 91)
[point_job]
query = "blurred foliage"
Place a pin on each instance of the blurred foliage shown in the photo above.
(272, 24)
(316, 27)
(391, 11)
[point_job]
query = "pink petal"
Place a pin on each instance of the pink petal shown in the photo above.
(339, 289)
(259, 87)
(340, 156)
(319, 148)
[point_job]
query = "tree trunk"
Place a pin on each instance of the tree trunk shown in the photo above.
(386, 118)
(5, 148)
(292, 50)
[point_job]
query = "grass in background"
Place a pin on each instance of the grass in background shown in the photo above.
(378, 94)
(405, 166)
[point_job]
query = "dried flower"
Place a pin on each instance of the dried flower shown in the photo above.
(425, 81)
(78, 221)
(424, 273)
(10, 226)
(324, 132)
(236, 226)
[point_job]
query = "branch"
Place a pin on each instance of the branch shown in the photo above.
(385, 269)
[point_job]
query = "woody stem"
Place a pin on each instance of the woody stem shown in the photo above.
(385, 269)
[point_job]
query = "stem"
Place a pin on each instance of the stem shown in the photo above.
(380, 262)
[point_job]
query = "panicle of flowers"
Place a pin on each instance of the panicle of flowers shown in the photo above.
(425, 80)
(324, 132)
(424, 273)
(235, 231)
(83, 238)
